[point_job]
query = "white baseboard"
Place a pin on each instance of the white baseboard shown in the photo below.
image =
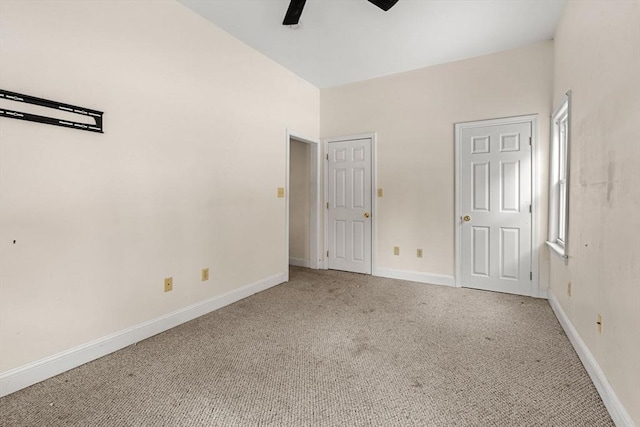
(416, 276)
(618, 413)
(299, 262)
(542, 293)
(24, 376)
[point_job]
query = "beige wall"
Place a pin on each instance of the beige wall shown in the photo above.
(597, 57)
(194, 147)
(413, 115)
(299, 201)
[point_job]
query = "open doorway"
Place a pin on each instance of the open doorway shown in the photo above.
(303, 202)
(299, 209)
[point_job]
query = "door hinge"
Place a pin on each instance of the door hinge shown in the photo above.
(327, 156)
(327, 205)
(531, 275)
(529, 140)
(327, 254)
(529, 208)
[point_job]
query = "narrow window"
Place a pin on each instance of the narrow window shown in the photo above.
(559, 179)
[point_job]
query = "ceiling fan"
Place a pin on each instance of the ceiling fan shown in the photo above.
(295, 9)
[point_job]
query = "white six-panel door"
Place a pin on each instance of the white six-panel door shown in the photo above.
(349, 205)
(495, 207)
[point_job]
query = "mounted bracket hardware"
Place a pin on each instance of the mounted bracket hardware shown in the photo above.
(67, 108)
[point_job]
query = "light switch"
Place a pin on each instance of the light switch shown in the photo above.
(380, 192)
(280, 192)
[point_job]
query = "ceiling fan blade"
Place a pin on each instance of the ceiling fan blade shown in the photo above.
(384, 4)
(294, 11)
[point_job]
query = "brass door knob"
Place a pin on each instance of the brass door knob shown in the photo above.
(467, 218)
(367, 214)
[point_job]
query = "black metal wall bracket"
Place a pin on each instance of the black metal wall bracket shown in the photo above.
(74, 109)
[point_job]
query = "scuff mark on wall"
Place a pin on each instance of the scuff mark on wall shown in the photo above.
(611, 169)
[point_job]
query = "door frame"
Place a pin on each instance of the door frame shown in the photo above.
(535, 195)
(374, 186)
(315, 260)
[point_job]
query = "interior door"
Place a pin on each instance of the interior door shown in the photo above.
(349, 205)
(495, 207)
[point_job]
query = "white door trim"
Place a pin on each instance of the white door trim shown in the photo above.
(315, 255)
(535, 195)
(374, 186)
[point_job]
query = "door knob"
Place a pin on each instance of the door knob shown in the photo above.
(467, 218)
(367, 214)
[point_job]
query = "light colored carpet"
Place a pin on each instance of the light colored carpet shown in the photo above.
(334, 349)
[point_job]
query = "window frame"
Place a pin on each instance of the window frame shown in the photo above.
(558, 239)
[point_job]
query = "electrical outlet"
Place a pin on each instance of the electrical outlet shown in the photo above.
(280, 192)
(168, 284)
(599, 323)
(205, 274)
(396, 250)
(568, 288)
(380, 192)
(419, 253)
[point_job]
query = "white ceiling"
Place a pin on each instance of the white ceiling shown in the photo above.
(343, 41)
